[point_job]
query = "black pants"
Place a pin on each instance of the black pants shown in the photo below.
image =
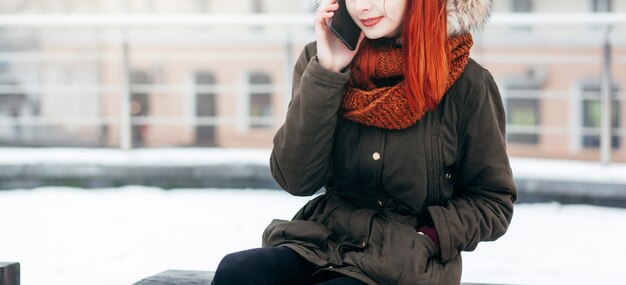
(271, 266)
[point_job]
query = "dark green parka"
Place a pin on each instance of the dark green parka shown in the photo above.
(450, 169)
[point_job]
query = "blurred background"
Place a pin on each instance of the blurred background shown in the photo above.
(131, 97)
(161, 73)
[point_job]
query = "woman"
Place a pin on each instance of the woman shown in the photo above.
(406, 135)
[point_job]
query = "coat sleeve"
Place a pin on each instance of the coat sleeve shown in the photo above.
(301, 160)
(482, 206)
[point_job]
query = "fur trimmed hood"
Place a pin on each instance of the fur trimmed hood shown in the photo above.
(465, 16)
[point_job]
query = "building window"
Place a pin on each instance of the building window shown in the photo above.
(142, 6)
(257, 6)
(522, 102)
(522, 6)
(601, 6)
(13, 102)
(591, 118)
(523, 119)
(206, 109)
(202, 6)
(139, 106)
(260, 100)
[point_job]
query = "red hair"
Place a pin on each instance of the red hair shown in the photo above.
(425, 53)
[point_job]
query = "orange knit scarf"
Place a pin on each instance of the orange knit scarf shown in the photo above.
(388, 107)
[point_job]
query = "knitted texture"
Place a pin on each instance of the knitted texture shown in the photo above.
(388, 107)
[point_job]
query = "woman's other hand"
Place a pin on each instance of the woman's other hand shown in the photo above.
(332, 54)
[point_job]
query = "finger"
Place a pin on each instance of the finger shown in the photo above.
(324, 14)
(324, 11)
(329, 7)
(328, 17)
(322, 19)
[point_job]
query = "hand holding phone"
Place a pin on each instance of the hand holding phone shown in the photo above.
(342, 25)
(335, 52)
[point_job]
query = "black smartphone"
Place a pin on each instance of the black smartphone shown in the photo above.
(344, 27)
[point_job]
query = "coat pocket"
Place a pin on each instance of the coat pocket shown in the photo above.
(311, 234)
(397, 254)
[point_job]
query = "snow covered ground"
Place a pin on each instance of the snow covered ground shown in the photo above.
(118, 236)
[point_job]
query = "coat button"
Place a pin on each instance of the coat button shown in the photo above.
(376, 156)
(448, 175)
(380, 203)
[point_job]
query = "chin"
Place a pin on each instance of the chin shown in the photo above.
(373, 35)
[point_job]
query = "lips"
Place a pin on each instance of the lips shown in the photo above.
(369, 22)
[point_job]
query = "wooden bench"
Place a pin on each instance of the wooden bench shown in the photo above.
(179, 277)
(9, 273)
(184, 277)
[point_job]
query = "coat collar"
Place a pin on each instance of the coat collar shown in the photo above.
(467, 15)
